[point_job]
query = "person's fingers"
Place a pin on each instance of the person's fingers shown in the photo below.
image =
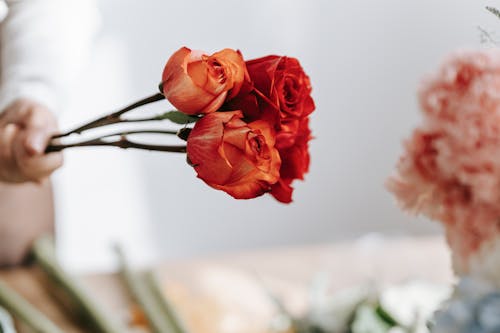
(7, 161)
(26, 129)
(39, 167)
(36, 140)
(39, 125)
(18, 112)
(35, 167)
(7, 135)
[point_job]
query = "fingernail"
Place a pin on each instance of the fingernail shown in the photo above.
(36, 143)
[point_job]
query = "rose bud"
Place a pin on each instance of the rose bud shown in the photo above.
(281, 94)
(196, 83)
(233, 156)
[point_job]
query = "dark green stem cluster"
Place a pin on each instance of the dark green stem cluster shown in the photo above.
(120, 139)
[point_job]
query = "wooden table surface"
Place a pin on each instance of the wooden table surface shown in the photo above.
(225, 294)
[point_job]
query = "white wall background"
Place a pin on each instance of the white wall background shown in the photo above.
(365, 59)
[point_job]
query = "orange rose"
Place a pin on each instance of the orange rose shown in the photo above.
(196, 83)
(233, 156)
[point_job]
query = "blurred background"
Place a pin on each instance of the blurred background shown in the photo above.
(365, 60)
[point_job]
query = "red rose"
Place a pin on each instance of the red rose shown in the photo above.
(280, 92)
(196, 83)
(294, 163)
(233, 156)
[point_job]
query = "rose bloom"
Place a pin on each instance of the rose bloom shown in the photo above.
(294, 163)
(234, 156)
(280, 92)
(196, 83)
(450, 170)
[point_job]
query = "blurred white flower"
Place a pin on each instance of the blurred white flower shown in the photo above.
(333, 312)
(413, 303)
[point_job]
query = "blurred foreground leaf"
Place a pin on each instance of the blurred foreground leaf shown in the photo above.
(44, 254)
(367, 320)
(23, 310)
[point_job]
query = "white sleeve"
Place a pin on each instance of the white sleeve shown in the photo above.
(43, 44)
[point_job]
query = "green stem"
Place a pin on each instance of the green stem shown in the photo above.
(122, 142)
(170, 315)
(133, 132)
(142, 295)
(112, 118)
(138, 120)
(493, 10)
(44, 254)
(19, 307)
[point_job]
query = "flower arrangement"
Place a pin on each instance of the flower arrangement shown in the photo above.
(451, 167)
(251, 121)
(402, 308)
(450, 172)
(245, 131)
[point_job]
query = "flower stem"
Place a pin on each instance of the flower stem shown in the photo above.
(19, 307)
(494, 11)
(112, 118)
(170, 315)
(122, 142)
(44, 254)
(138, 120)
(142, 295)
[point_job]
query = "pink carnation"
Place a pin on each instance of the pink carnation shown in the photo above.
(450, 170)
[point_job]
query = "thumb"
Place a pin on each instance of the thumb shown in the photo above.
(36, 141)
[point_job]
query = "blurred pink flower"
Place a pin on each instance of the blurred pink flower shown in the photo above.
(450, 170)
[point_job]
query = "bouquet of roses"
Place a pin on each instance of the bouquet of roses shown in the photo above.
(251, 121)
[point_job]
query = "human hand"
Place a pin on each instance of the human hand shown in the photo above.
(25, 131)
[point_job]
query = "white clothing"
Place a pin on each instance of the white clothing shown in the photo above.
(42, 46)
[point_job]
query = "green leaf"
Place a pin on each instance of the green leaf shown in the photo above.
(386, 316)
(367, 320)
(178, 117)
